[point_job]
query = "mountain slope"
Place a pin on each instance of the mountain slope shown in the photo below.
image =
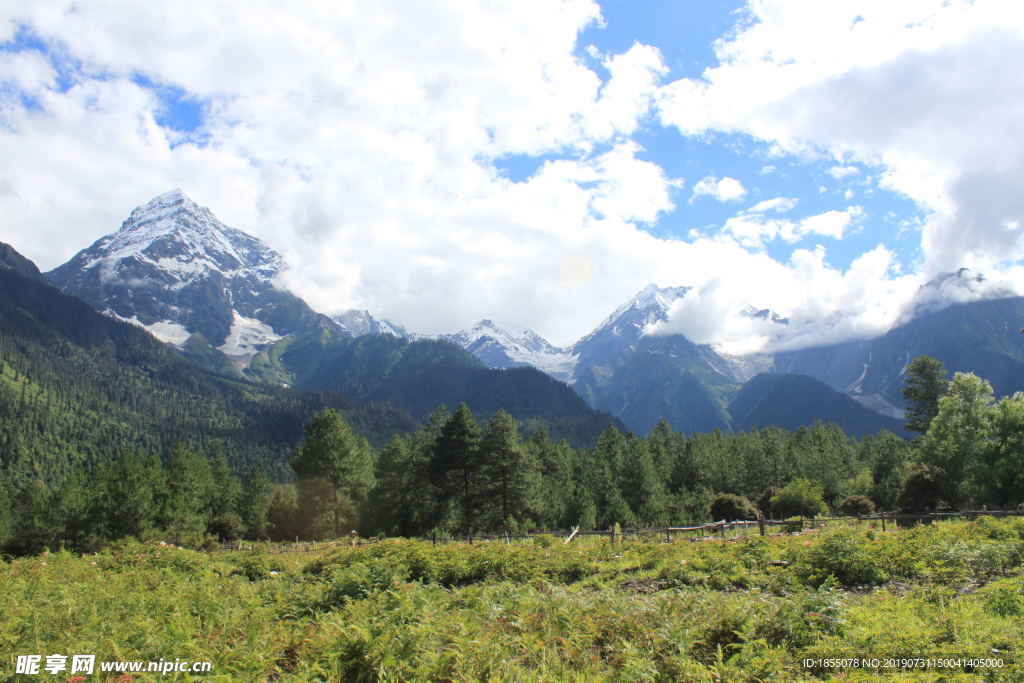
(980, 337)
(78, 387)
(642, 379)
(791, 401)
(175, 269)
(419, 375)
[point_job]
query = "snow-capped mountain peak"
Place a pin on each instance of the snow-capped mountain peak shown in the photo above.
(956, 287)
(175, 235)
(359, 322)
(649, 305)
(501, 346)
(175, 269)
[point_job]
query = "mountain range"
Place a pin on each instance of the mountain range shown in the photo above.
(214, 293)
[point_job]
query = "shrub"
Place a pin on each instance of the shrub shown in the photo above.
(856, 506)
(849, 557)
(730, 507)
(799, 497)
(255, 566)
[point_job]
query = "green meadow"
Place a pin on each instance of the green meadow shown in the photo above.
(941, 601)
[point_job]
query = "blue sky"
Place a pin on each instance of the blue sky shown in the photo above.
(538, 162)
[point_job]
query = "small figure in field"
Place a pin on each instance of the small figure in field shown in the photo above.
(353, 538)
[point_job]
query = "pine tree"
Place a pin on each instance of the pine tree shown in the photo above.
(225, 522)
(254, 503)
(402, 502)
(926, 382)
(128, 495)
(454, 469)
(510, 473)
(331, 452)
(190, 491)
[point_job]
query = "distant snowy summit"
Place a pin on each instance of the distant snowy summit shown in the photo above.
(506, 347)
(176, 270)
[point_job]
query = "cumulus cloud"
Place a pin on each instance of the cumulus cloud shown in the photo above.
(924, 90)
(753, 227)
(840, 172)
(822, 304)
(725, 190)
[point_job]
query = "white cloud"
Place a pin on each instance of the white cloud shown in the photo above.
(840, 172)
(355, 142)
(830, 224)
(364, 148)
(752, 228)
(776, 204)
(725, 190)
(927, 90)
(823, 305)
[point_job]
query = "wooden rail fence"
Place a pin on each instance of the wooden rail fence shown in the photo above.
(718, 529)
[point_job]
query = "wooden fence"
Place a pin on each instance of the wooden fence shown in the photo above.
(717, 530)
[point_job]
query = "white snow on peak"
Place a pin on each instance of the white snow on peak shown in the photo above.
(652, 303)
(487, 340)
(359, 322)
(194, 242)
(246, 338)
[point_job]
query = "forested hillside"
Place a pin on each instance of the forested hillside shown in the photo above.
(78, 388)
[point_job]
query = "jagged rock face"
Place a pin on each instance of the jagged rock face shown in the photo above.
(358, 323)
(175, 269)
(624, 328)
(500, 347)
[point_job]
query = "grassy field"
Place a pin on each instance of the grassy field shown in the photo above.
(748, 609)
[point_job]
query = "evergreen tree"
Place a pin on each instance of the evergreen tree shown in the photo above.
(32, 531)
(926, 382)
(642, 487)
(225, 522)
(254, 503)
(6, 515)
(332, 453)
(69, 510)
(886, 454)
(454, 469)
(128, 495)
(402, 501)
(510, 473)
(190, 491)
(556, 508)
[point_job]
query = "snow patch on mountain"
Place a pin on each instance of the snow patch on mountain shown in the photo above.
(247, 337)
(167, 331)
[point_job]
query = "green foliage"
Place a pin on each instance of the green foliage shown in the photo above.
(958, 435)
(856, 505)
(408, 610)
(730, 507)
(925, 384)
(340, 459)
(800, 497)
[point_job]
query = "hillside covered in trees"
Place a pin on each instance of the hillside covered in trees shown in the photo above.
(455, 475)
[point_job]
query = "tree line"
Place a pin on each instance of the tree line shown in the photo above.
(455, 475)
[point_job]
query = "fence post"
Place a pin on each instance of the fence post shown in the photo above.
(760, 524)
